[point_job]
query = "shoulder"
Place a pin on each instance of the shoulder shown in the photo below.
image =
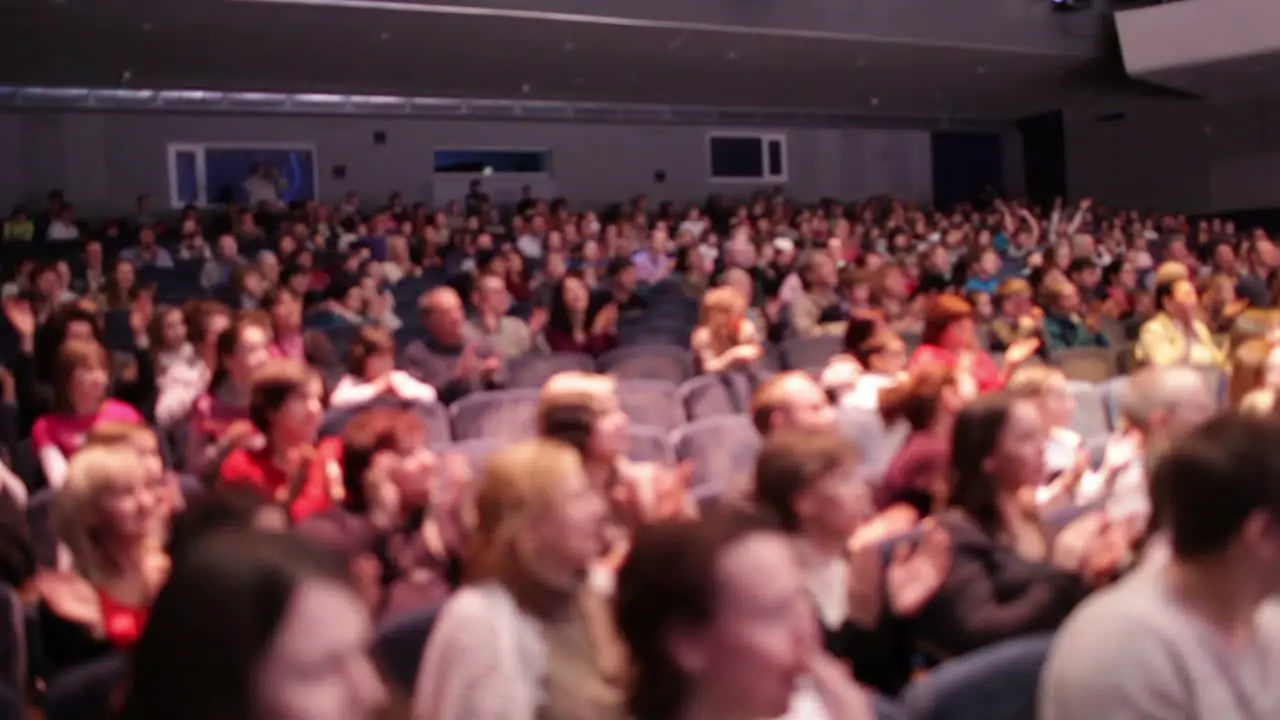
(120, 410)
(475, 610)
(239, 464)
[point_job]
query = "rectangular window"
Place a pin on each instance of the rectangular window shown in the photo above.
(203, 174)
(501, 162)
(747, 157)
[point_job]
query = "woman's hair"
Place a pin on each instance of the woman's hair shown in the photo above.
(77, 505)
(53, 333)
(1033, 380)
(220, 508)
(518, 485)
(229, 342)
(198, 314)
(272, 386)
(867, 336)
(916, 399)
(669, 582)
(942, 311)
(793, 461)
(977, 432)
(116, 296)
(558, 316)
(569, 405)
(215, 620)
(116, 432)
(369, 341)
(1248, 368)
(368, 434)
(72, 356)
(155, 328)
(723, 299)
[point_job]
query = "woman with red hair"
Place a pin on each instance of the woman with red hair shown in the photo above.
(950, 339)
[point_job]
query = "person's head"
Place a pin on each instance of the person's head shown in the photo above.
(949, 323)
(876, 347)
(285, 308)
(1253, 363)
(206, 320)
(997, 448)
(1062, 298)
(923, 399)
(539, 521)
(790, 399)
(818, 271)
(740, 280)
(247, 280)
(1217, 494)
(372, 353)
(491, 296)
(106, 508)
(721, 308)
(1164, 403)
(810, 482)
(242, 348)
(1047, 386)
(168, 329)
(81, 377)
(572, 299)
(277, 631)
(716, 617)
(1178, 299)
(582, 409)
(286, 402)
(443, 315)
(622, 275)
(386, 464)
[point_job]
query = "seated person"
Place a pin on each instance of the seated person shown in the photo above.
(573, 327)
(1006, 579)
(372, 373)
(290, 469)
(81, 377)
(114, 525)
(400, 521)
(219, 421)
(950, 339)
(1177, 335)
(724, 339)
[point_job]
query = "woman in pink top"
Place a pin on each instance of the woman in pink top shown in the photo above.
(80, 382)
(950, 339)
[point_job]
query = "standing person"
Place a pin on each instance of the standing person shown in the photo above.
(1197, 636)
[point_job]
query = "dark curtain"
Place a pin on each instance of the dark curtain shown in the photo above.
(1044, 157)
(968, 167)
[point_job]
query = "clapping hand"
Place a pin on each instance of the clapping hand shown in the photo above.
(915, 575)
(1020, 351)
(21, 317)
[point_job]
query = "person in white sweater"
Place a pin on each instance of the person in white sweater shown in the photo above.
(372, 373)
(528, 637)
(1195, 635)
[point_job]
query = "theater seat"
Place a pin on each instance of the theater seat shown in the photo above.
(809, 352)
(995, 683)
(723, 451)
(651, 402)
(1091, 418)
(648, 362)
(499, 414)
(85, 692)
(533, 369)
(399, 644)
(649, 444)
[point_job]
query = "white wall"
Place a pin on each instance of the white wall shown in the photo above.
(1190, 157)
(102, 160)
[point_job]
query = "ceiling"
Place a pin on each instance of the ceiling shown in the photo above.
(1236, 78)
(221, 45)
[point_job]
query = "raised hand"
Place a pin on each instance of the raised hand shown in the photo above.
(1020, 351)
(21, 316)
(914, 576)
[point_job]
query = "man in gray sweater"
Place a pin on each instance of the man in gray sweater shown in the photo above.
(1195, 635)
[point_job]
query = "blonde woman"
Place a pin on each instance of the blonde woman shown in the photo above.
(725, 339)
(143, 442)
(582, 409)
(108, 515)
(527, 637)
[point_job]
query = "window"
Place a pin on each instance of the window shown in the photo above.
(501, 162)
(747, 157)
(214, 174)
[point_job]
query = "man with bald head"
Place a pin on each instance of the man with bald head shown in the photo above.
(446, 358)
(791, 400)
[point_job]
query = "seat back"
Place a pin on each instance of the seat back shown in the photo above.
(723, 450)
(999, 682)
(1090, 364)
(1090, 418)
(649, 444)
(533, 369)
(399, 645)
(648, 362)
(809, 352)
(499, 414)
(711, 395)
(651, 402)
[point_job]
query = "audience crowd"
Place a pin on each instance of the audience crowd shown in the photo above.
(742, 460)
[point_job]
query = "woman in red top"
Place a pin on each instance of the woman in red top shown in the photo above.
(81, 378)
(950, 339)
(113, 523)
(285, 406)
